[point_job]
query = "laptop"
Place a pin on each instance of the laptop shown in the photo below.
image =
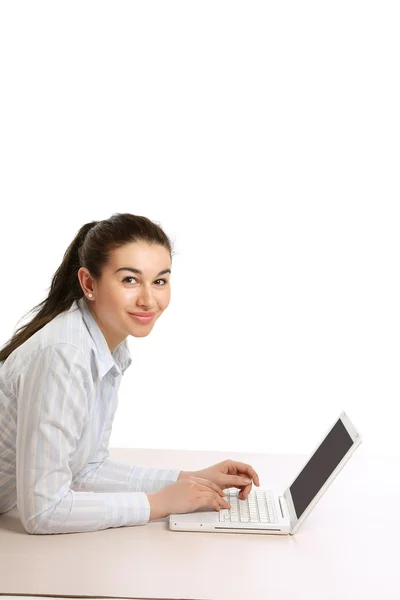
(266, 511)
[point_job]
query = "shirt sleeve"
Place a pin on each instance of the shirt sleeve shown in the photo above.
(104, 475)
(52, 412)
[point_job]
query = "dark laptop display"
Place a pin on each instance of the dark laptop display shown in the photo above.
(320, 466)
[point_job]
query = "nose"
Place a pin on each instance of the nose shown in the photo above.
(145, 297)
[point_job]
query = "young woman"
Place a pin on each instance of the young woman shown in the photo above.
(59, 381)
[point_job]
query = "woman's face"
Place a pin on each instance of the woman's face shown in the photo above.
(121, 292)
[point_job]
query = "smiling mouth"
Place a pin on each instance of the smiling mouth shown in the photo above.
(147, 319)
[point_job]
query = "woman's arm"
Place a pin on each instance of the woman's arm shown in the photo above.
(102, 474)
(52, 412)
(111, 476)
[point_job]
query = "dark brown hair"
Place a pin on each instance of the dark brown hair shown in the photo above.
(91, 248)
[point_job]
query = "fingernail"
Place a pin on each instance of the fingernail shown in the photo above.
(247, 480)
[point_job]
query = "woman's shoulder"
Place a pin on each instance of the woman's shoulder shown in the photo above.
(63, 335)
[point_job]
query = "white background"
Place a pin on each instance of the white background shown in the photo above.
(264, 139)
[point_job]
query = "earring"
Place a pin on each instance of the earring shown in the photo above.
(90, 295)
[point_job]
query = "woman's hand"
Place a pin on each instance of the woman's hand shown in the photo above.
(227, 474)
(185, 497)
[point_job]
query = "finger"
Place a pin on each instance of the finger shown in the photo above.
(245, 491)
(221, 501)
(205, 502)
(210, 484)
(247, 470)
(239, 481)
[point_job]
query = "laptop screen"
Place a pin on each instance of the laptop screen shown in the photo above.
(320, 466)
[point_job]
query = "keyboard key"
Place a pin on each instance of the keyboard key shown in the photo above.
(258, 507)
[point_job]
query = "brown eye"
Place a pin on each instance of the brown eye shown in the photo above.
(164, 280)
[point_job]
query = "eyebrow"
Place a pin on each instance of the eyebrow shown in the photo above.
(132, 270)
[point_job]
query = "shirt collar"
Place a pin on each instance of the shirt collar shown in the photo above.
(118, 360)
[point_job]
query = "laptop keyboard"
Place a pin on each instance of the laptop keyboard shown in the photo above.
(258, 507)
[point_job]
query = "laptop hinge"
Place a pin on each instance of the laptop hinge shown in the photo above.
(283, 507)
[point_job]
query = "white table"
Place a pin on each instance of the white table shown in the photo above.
(347, 548)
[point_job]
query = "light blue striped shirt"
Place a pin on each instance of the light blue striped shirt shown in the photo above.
(58, 397)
